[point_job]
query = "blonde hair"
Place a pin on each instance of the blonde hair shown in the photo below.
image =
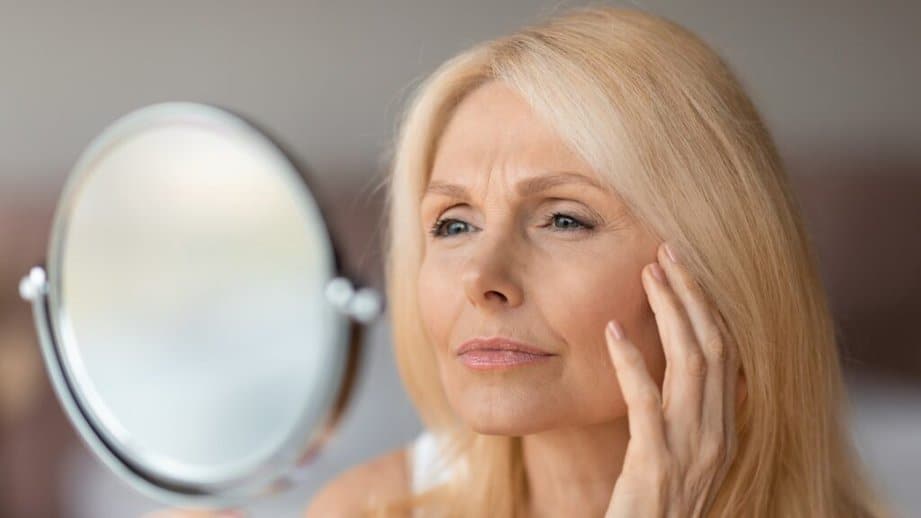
(662, 117)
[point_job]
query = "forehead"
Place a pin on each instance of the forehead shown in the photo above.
(494, 129)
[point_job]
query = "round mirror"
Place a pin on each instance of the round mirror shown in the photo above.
(193, 315)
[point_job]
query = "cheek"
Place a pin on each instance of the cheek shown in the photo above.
(588, 293)
(435, 295)
(579, 305)
(602, 292)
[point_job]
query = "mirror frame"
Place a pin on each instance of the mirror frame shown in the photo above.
(42, 287)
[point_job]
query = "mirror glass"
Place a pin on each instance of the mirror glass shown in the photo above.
(187, 270)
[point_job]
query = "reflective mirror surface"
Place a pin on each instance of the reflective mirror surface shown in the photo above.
(187, 268)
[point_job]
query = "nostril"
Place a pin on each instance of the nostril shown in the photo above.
(495, 294)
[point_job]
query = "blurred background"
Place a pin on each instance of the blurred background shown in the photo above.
(836, 81)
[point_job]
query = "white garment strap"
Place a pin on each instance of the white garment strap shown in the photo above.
(426, 463)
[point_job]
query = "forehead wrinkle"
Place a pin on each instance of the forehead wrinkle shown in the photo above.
(526, 187)
(537, 184)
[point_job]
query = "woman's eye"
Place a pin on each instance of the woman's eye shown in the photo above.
(452, 226)
(564, 222)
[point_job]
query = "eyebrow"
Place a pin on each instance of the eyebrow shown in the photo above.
(527, 187)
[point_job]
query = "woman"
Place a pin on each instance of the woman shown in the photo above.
(540, 186)
(549, 167)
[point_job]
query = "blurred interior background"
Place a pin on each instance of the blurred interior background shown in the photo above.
(836, 81)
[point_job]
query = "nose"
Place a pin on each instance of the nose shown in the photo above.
(488, 277)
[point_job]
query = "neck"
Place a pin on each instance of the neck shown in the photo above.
(571, 471)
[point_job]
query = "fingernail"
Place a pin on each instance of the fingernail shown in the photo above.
(671, 253)
(616, 331)
(658, 271)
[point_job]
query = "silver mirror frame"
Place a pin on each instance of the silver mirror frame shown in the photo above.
(41, 287)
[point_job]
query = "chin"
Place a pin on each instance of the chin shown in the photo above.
(512, 430)
(504, 414)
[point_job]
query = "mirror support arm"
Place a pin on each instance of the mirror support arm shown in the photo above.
(363, 304)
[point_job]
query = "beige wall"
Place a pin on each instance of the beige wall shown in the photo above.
(329, 76)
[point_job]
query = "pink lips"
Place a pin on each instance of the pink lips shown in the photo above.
(499, 352)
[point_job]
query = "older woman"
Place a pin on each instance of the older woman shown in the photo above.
(603, 299)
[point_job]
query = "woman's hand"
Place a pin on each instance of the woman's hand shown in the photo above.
(682, 440)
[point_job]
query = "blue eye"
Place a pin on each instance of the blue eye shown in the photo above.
(446, 223)
(568, 222)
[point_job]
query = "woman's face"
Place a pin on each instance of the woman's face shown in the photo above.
(528, 248)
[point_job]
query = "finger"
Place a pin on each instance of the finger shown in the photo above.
(644, 402)
(733, 374)
(734, 391)
(733, 386)
(712, 343)
(685, 367)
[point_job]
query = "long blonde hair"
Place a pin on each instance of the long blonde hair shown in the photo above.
(663, 118)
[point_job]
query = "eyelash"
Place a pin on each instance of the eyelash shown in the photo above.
(435, 230)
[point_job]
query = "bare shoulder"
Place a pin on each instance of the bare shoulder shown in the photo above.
(382, 478)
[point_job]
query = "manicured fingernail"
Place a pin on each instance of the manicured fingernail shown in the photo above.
(616, 331)
(671, 253)
(658, 271)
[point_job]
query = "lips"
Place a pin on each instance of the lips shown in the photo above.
(499, 343)
(500, 353)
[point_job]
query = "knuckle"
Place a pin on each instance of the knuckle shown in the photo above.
(718, 317)
(696, 364)
(690, 285)
(717, 347)
(673, 302)
(664, 299)
(633, 358)
(711, 455)
(656, 467)
(648, 401)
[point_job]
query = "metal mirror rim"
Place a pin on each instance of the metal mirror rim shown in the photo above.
(42, 288)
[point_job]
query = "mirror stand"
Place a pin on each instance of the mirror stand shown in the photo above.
(361, 305)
